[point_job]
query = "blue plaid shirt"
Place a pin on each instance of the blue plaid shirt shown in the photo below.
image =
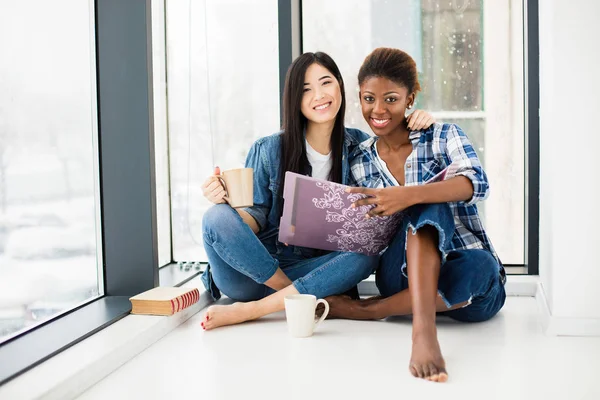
(433, 150)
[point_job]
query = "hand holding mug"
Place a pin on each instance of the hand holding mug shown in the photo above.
(213, 189)
(234, 186)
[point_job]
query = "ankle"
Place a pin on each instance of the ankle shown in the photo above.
(423, 329)
(250, 310)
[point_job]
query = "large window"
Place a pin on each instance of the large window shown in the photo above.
(223, 93)
(49, 240)
(470, 60)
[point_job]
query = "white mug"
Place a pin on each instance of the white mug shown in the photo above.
(300, 314)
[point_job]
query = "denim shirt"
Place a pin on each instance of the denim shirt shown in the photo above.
(265, 158)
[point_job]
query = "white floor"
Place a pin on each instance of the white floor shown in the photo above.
(506, 358)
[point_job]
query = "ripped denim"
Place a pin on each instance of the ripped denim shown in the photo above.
(472, 276)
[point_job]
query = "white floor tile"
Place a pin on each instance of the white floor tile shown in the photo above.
(505, 358)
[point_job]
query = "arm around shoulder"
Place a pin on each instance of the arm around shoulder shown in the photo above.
(465, 161)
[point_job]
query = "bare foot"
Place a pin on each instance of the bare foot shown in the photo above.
(235, 313)
(426, 361)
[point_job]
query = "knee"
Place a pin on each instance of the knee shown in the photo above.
(433, 219)
(432, 213)
(218, 216)
(438, 210)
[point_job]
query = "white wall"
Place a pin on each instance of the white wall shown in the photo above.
(569, 158)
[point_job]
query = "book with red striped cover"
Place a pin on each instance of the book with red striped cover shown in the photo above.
(164, 300)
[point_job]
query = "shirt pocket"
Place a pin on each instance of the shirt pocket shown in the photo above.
(430, 169)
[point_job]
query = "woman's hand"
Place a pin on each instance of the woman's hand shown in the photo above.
(213, 189)
(419, 119)
(388, 201)
(343, 306)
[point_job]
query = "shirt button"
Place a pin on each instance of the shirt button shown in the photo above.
(408, 166)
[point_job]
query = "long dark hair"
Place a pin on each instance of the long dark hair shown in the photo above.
(293, 149)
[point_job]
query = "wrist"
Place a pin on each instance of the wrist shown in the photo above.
(370, 309)
(416, 194)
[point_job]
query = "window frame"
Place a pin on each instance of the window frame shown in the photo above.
(532, 136)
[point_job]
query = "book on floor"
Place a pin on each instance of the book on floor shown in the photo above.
(164, 300)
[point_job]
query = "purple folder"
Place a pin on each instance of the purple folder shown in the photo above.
(317, 214)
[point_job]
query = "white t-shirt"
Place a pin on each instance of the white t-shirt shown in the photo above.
(321, 164)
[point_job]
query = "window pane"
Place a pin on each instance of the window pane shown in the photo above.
(452, 62)
(469, 55)
(48, 161)
(223, 74)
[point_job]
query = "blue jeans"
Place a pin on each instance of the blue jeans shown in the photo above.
(465, 275)
(240, 263)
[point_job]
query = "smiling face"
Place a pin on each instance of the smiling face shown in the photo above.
(384, 104)
(322, 98)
